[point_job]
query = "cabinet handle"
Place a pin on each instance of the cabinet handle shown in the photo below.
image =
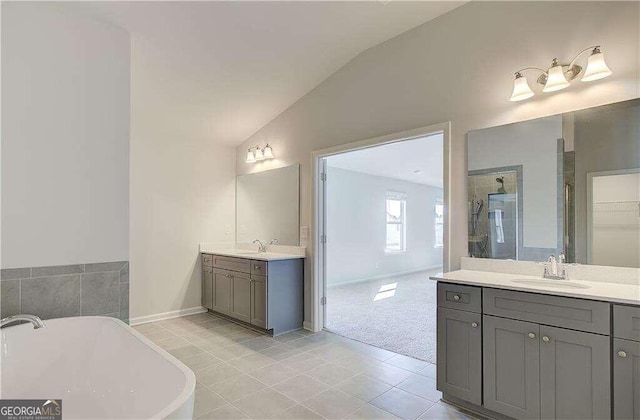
(622, 354)
(545, 339)
(456, 297)
(532, 335)
(256, 267)
(474, 324)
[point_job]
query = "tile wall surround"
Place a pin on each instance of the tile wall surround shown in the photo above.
(583, 272)
(67, 290)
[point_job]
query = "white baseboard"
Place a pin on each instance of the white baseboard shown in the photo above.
(167, 315)
(307, 326)
(386, 276)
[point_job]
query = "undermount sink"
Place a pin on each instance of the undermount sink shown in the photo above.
(246, 252)
(560, 284)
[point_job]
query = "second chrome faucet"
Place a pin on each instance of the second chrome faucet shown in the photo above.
(262, 247)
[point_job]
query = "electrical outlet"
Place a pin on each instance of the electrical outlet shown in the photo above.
(304, 232)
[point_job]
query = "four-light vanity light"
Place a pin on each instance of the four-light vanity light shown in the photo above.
(256, 154)
(559, 75)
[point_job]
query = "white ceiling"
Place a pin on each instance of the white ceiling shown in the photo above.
(419, 160)
(225, 69)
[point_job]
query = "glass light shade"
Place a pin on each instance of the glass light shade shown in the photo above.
(555, 79)
(250, 157)
(521, 89)
(259, 154)
(596, 67)
(267, 152)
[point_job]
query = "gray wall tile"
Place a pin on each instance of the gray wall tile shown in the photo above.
(100, 293)
(58, 270)
(106, 266)
(124, 274)
(15, 273)
(124, 301)
(51, 297)
(9, 298)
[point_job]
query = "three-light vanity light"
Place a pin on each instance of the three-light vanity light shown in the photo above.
(559, 75)
(256, 154)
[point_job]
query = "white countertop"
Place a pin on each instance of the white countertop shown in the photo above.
(249, 254)
(604, 291)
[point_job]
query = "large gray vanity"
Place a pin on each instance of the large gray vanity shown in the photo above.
(265, 293)
(535, 356)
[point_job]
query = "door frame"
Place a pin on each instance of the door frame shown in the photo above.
(318, 206)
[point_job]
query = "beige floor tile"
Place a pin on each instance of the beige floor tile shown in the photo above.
(280, 352)
(402, 404)
(430, 371)
(250, 362)
(407, 363)
(331, 374)
(303, 362)
(230, 352)
(226, 412)
(172, 342)
(206, 401)
(443, 411)
(300, 388)
(370, 351)
(364, 387)
(331, 352)
(387, 373)
(200, 361)
(421, 386)
(213, 342)
(260, 343)
(371, 412)
(147, 328)
(300, 412)
(264, 404)
(184, 352)
(159, 334)
(356, 362)
(238, 387)
(272, 374)
(217, 373)
(285, 338)
(333, 404)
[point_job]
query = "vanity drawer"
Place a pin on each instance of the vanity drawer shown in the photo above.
(575, 314)
(626, 322)
(463, 298)
(259, 267)
(231, 263)
(207, 260)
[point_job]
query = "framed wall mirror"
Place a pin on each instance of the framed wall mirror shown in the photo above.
(568, 183)
(268, 206)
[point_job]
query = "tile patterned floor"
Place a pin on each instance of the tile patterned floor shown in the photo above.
(242, 374)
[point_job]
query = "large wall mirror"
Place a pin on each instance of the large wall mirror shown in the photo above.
(567, 183)
(268, 206)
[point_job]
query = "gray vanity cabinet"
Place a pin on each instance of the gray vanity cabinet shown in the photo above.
(221, 291)
(511, 363)
(258, 301)
(626, 379)
(241, 296)
(574, 374)
(207, 287)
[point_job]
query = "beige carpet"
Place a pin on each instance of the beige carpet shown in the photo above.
(397, 313)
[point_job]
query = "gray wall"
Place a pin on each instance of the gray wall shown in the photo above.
(356, 228)
(604, 141)
(65, 163)
(459, 68)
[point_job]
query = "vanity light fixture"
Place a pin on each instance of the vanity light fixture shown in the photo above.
(559, 76)
(257, 154)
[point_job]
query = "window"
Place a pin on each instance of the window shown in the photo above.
(439, 224)
(396, 222)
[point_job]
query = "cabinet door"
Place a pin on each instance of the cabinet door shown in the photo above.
(511, 367)
(240, 297)
(460, 354)
(259, 301)
(222, 291)
(626, 379)
(574, 374)
(207, 287)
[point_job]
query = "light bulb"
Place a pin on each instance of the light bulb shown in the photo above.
(267, 152)
(596, 67)
(250, 157)
(259, 154)
(521, 89)
(555, 78)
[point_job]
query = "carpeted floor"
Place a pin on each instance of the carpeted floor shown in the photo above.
(396, 314)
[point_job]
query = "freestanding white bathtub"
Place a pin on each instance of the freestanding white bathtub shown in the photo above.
(100, 368)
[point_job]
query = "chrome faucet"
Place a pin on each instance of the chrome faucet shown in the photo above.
(262, 247)
(555, 269)
(36, 321)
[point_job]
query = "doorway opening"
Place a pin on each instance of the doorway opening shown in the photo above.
(382, 236)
